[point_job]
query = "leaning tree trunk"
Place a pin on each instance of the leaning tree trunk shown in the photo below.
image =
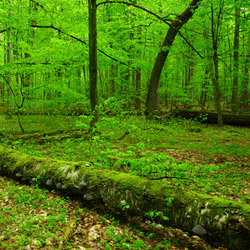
(227, 222)
(173, 30)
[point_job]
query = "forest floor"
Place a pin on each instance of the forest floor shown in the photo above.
(184, 153)
(33, 218)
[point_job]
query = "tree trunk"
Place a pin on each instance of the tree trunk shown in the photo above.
(245, 81)
(173, 30)
(137, 76)
(189, 74)
(215, 25)
(227, 222)
(9, 79)
(236, 59)
(2, 92)
(217, 91)
(205, 84)
(93, 63)
(137, 87)
(113, 76)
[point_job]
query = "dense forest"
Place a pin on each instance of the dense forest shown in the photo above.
(125, 111)
(142, 56)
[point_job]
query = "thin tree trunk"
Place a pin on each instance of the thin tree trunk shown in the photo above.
(137, 84)
(173, 30)
(26, 78)
(189, 73)
(2, 91)
(137, 76)
(215, 77)
(203, 96)
(93, 63)
(9, 61)
(234, 106)
(113, 72)
(245, 82)
(217, 91)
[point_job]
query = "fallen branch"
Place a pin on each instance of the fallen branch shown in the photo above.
(68, 232)
(123, 136)
(168, 177)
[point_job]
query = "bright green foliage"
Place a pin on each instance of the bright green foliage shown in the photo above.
(201, 161)
(48, 43)
(39, 219)
(44, 62)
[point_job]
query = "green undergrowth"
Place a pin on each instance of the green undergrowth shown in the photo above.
(184, 153)
(33, 218)
(30, 216)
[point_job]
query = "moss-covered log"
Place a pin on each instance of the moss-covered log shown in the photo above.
(212, 117)
(226, 222)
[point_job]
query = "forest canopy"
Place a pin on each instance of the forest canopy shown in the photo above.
(45, 62)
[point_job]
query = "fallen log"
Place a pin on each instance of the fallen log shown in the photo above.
(212, 117)
(226, 222)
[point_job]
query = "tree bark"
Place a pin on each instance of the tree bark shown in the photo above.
(9, 61)
(245, 80)
(173, 30)
(236, 59)
(217, 90)
(93, 63)
(189, 74)
(227, 222)
(136, 76)
(205, 84)
(215, 78)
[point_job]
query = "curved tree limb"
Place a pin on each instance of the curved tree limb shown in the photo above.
(78, 39)
(81, 41)
(136, 6)
(18, 106)
(101, 51)
(158, 17)
(13, 93)
(38, 4)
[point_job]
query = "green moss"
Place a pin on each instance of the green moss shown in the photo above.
(187, 210)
